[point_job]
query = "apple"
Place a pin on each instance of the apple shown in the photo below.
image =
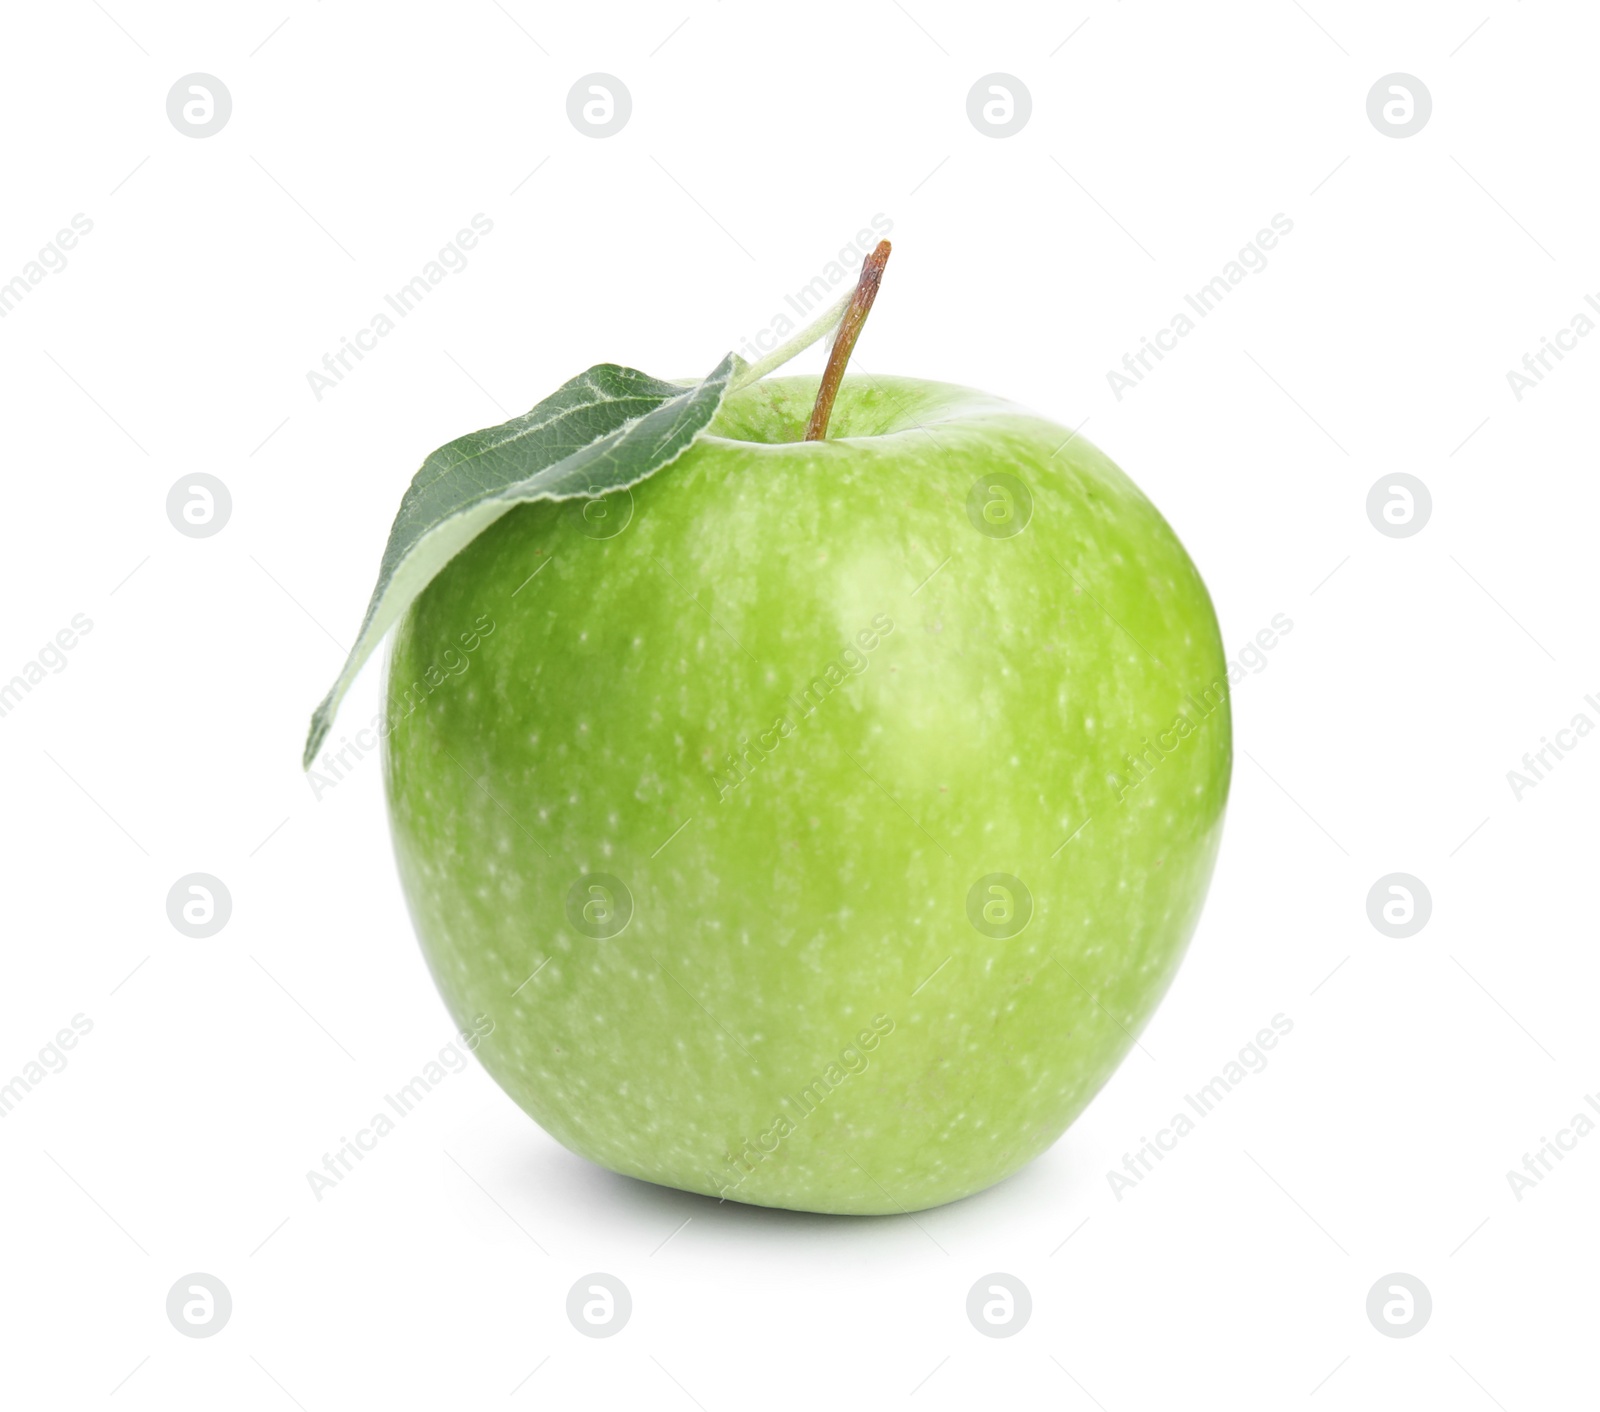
(816, 824)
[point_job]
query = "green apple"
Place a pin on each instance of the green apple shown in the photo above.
(817, 824)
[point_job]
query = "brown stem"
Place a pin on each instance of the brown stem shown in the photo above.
(844, 342)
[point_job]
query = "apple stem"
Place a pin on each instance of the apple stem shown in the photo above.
(844, 342)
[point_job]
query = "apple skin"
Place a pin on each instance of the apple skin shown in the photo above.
(801, 1011)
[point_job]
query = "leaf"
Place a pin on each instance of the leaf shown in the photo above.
(607, 429)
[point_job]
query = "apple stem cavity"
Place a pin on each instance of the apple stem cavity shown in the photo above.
(844, 342)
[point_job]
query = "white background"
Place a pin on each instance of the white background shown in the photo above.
(1376, 740)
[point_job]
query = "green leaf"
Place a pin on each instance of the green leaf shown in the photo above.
(607, 429)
